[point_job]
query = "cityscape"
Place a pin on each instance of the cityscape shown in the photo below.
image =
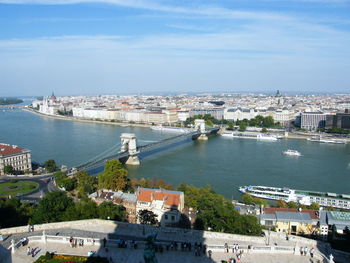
(174, 131)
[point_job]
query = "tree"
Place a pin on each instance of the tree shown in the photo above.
(63, 181)
(114, 176)
(292, 204)
(87, 184)
(50, 166)
(108, 210)
(242, 126)
(281, 203)
(314, 206)
(264, 130)
(268, 121)
(84, 209)
(147, 217)
(250, 200)
(52, 207)
(8, 169)
(230, 125)
(216, 213)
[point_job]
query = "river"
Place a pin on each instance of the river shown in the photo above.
(223, 163)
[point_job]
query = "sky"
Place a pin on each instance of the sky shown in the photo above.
(86, 47)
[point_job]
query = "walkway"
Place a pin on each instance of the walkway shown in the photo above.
(136, 255)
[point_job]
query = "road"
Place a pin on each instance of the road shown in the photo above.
(45, 185)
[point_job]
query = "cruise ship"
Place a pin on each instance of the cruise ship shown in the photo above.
(327, 140)
(247, 135)
(302, 197)
(169, 129)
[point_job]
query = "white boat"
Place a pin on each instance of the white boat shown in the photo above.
(292, 153)
(264, 137)
(169, 129)
(327, 140)
(299, 196)
(247, 135)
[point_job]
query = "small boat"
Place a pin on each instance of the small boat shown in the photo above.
(292, 152)
(266, 137)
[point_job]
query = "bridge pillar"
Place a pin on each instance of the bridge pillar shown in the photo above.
(128, 143)
(200, 125)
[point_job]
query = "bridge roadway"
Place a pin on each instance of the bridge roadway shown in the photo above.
(144, 148)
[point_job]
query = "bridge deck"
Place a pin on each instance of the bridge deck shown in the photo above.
(144, 148)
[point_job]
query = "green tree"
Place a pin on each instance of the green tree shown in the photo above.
(264, 130)
(242, 126)
(147, 217)
(281, 203)
(215, 212)
(250, 200)
(87, 184)
(112, 211)
(52, 207)
(50, 166)
(84, 209)
(314, 206)
(268, 122)
(114, 176)
(292, 204)
(230, 125)
(8, 169)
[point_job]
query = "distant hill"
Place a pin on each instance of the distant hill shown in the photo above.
(10, 101)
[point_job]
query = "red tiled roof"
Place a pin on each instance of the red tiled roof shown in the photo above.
(272, 210)
(170, 199)
(6, 149)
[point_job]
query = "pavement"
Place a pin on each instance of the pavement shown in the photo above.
(131, 255)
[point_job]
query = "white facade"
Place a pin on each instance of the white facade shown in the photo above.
(18, 158)
(239, 114)
(167, 205)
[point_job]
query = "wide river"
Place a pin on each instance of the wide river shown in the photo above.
(223, 163)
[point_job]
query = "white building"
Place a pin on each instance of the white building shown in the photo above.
(167, 205)
(18, 158)
(238, 113)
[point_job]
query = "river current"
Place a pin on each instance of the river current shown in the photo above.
(223, 163)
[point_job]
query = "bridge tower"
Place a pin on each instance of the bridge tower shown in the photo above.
(200, 126)
(128, 143)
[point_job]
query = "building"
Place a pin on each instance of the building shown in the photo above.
(312, 120)
(217, 113)
(335, 223)
(18, 158)
(167, 205)
(291, 221)
(125, 199)
(238, 113)
(339, 120)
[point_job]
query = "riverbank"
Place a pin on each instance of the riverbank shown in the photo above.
(66, 118)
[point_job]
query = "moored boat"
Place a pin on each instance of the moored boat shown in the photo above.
(169, 129)
(341, 201)
(326, 140)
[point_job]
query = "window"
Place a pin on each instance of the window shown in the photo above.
(166, 217)
(172, 218)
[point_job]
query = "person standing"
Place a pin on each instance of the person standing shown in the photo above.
(312, 251)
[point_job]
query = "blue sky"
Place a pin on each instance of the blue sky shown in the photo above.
(77, 47)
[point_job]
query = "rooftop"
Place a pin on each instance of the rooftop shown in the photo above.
(7, 149)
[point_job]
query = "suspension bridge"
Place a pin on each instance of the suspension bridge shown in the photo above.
(129, 150)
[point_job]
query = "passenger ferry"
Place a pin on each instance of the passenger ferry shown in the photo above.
(169, 129)
(250, 135)
(326, 140)
(302, 197)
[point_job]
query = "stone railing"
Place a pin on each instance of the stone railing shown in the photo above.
(59, 225)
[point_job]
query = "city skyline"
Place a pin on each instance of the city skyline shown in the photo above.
(116, 47)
